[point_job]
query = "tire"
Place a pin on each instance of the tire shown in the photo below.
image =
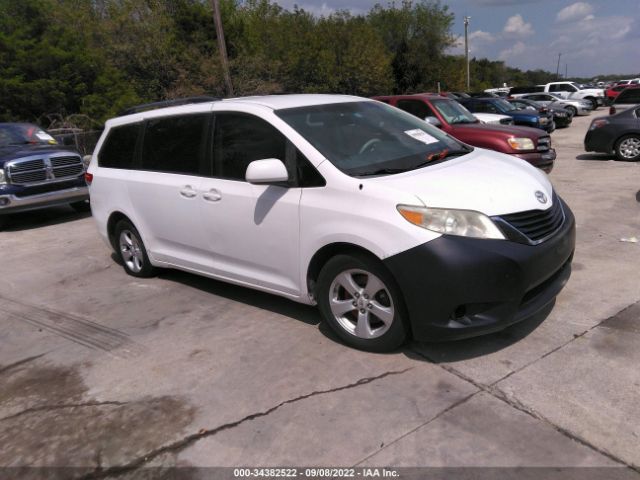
(628, 148)
(594, 102)
(83, 206)
(572, 109)
(3, 221)
(362, 304)
(131, 251)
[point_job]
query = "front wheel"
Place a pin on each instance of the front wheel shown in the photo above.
(628, 148)
(132, 251)
(573, 110)
(360, 301)
(594, 103)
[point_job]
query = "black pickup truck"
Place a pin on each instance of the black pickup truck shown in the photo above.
(36, 172)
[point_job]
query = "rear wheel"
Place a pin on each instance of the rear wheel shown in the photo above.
(628, 148)
(360, 301)
(132, 251)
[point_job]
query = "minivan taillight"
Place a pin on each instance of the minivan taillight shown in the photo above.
(88, 177)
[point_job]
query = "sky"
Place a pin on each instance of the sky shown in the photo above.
(594, 37)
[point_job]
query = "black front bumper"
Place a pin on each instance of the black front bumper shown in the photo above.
(457, 287)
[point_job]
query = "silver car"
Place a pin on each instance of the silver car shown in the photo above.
(576, 107)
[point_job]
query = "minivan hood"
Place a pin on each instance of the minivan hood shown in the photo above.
(485, 181)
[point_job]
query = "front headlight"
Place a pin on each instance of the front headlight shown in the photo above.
(464, 223)
(3, 180)
(521, 143)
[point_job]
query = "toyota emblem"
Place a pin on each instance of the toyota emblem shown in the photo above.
(542, 198)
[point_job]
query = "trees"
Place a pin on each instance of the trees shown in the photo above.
(98, 57)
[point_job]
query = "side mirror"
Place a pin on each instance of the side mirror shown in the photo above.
(268, 171)
(433, 121)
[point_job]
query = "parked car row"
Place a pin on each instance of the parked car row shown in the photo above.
(451, 116)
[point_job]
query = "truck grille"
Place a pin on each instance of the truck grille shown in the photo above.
(544, 144)
(534, 225)
(44, 170)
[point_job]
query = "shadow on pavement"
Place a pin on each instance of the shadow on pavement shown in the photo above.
(18, 222)
(453, 351)
(272, 303)
(597, 156)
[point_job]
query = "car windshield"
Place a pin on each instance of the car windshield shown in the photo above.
(23, 134)
(453, 112)
(502, 105)
(371, 138)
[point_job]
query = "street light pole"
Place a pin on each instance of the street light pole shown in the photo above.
(466, 49)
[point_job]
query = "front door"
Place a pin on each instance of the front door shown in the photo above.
(252, 230)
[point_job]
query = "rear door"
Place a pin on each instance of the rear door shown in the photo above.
(165, 188)
(252, 231)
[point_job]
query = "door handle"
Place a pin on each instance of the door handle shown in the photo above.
(188, 191)
(212, 195)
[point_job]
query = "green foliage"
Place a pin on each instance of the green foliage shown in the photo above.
(97, 57)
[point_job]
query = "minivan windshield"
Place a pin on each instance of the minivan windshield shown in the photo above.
(371, 138)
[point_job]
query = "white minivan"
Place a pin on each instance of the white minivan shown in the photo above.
(393, 228)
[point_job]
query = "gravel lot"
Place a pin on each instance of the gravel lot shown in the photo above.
(100, 370)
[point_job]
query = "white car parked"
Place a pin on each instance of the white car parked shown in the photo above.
(392, 227)
(494, 118)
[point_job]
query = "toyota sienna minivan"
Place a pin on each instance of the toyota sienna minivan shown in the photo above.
(394, 229)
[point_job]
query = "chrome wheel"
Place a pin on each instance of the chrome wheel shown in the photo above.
(361, 303)
(131, 251)
(629, 148)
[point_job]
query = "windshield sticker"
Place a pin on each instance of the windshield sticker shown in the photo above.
(45, 137)
(421, 136)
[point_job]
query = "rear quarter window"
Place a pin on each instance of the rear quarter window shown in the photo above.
(119, 148)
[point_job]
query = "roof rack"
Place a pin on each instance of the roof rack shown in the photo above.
(168, 103)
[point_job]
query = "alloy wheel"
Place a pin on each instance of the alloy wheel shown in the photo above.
(630, 148)
(361, 303)
(131, 251)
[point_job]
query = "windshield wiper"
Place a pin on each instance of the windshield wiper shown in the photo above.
(434, 157)
(383, 171)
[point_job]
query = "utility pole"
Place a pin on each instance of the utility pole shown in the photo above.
(466, 49)
(558, 68)
(222, 46)
(566, 71)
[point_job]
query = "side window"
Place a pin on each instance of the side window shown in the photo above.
(239, 139)
(119, 148)
(301, 172)
(175, 144)
(416, 108)
(482, 107)
(630, 95)
(556, 88)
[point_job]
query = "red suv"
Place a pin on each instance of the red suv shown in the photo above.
(530, 144)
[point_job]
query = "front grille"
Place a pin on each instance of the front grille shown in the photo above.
(544, 144)
(48, 169)
(533, 226)
(20, 175)
(27, 165)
